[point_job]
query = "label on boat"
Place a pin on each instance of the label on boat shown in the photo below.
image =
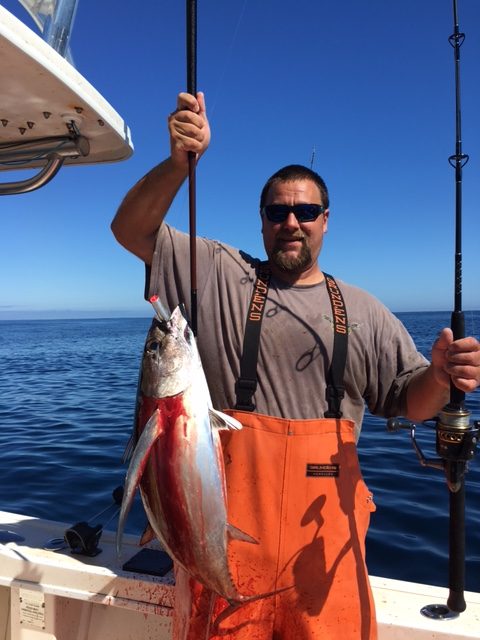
(32, 608)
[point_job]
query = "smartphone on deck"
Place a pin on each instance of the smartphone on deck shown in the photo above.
(153, 562)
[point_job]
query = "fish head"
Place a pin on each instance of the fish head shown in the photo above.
(170, 357)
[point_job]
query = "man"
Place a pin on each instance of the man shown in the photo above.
(293, 355)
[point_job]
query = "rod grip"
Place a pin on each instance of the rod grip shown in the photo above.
(457, 324)
(456, 583)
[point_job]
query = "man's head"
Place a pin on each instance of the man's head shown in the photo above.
(291, 173)
(292, 233)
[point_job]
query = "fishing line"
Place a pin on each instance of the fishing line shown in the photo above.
(191, 47)
(227, 58)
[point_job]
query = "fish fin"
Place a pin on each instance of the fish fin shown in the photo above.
(237, 534)
(127, 454)
(148, 535)
(151, 432)
(132, 441)
(220, 420)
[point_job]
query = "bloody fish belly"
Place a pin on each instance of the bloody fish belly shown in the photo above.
(178, 461)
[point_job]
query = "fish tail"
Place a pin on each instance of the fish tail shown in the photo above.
(235, 605)
(211, 628)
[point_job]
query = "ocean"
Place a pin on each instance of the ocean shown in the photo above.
(66, 405)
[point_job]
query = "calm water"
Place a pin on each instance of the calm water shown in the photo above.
(66, 405)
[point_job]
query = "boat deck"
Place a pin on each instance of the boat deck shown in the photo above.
(55, 595)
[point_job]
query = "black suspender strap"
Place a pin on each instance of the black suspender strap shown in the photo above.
(246, 384)
(335, 387)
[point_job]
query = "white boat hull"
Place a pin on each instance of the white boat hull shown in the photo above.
(47, 595)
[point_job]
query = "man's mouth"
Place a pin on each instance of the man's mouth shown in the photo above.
(292, 241)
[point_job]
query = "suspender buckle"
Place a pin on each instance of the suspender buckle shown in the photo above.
(334, 396)
(244, 390)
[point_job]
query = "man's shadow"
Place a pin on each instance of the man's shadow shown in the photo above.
(312, 581)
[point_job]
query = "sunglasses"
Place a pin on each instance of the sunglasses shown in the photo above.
(303, 212)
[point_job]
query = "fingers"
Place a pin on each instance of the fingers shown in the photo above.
(465, 377)
(468, 345)
(186, 131)
(444, 340)
(201, 103)
(459, 359)
(188, 124)
(463, 364)
(187, 101)
(467, 385)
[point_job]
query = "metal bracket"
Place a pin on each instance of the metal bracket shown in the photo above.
(54, 150)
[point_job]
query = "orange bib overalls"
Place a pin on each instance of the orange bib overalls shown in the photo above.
(296, 487)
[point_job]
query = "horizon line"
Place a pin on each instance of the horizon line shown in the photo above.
(12, 316)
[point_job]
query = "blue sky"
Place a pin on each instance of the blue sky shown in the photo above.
(369, 85)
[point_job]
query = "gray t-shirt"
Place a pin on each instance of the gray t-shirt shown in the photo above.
(296, 337)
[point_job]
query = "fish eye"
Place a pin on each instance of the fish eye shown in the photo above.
(187, 334)
(153, 346)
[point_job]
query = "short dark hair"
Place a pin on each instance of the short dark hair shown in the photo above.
(293, 172)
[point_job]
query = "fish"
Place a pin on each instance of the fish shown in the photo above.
(177, 459)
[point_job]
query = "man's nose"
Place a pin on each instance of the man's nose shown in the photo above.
(291, 221)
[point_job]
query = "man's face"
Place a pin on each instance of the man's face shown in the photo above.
(293, 246)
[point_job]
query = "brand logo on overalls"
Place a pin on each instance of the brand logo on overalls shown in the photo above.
(315, 470)
(338, 306)
(259, 298)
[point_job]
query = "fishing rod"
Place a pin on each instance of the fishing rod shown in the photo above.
(192, 89)
(456, 435)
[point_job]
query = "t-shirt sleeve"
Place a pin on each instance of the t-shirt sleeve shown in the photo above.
(169, 276)
(394, 361)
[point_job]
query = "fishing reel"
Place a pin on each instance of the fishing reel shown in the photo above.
(457, 439)
(456, 442)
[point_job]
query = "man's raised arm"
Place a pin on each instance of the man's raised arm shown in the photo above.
(145, 206)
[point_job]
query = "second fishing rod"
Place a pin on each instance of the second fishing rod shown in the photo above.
(456, 434)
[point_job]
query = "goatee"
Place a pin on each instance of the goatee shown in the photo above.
(292, 264)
